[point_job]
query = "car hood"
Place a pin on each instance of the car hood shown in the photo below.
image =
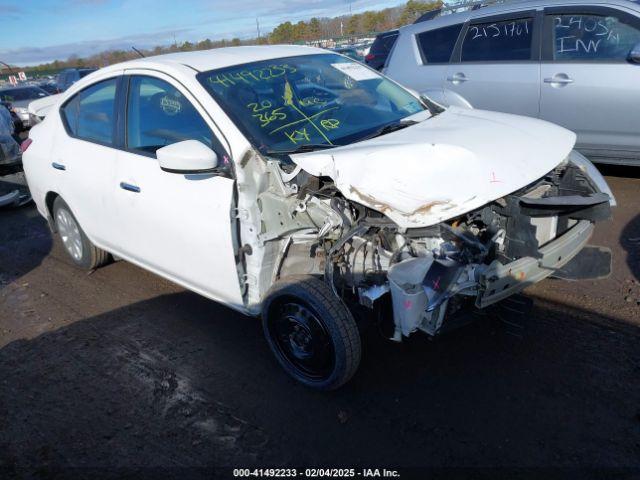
(444, 166)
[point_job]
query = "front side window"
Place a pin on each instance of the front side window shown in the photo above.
(158, 114)
(592, 37)
(321, 99)
(437, 45)
(508, 40)
(90, 114)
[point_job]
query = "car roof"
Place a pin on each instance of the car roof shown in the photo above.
(507, 7)
(203, 60)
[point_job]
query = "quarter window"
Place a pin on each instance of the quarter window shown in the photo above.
(592, 37)
(89, 115)
(508, 40)
(158, 114)
(437, 45)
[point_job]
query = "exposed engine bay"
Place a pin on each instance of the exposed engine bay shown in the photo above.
(291, 222)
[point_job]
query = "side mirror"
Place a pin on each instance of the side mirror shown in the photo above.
(187, 157)
(634, 54)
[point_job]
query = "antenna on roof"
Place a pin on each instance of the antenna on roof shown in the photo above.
(138, 52)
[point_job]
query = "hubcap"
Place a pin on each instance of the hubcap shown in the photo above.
(302, 340)
(69, 233)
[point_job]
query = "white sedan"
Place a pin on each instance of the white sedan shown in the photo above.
(300, 186)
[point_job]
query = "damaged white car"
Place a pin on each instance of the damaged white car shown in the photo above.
(301, 186)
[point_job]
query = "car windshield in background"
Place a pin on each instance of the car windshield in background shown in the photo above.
(315, 100)
(18, 94)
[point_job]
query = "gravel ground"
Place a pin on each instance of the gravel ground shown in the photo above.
(122, 373)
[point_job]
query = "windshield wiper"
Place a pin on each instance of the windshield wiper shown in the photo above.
(388, 128)
(307, 147)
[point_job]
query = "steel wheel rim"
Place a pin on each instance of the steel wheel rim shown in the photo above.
(69, 232)
(302, 340)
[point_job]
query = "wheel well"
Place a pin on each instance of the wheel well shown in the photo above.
(48, 200)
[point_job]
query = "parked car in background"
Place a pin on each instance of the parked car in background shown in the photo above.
(430, 15)
(296, 184)
(380, 49)
(50, 87)
(68, 77)
(19, 97)
(574, 63)
(350, 52)
(38, 109)
(17, 123)
(9, 148)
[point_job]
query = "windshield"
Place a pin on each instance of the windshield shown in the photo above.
(18, 94)
(323, 100)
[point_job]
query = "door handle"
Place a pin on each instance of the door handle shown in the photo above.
(130, 188)
(457, 78)
(58, 166)
(561, 79)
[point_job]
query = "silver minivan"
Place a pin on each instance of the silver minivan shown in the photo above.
(574, 63)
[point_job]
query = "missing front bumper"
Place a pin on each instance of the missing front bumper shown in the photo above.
(501, 281)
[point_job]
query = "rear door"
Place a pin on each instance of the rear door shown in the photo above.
(496, 64)
(85, 161)
(588, 85)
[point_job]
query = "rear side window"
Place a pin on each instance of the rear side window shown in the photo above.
(592, 37)
(384, 44)
(89, 115)
(508, 40)
(158, 114)
(437, 45)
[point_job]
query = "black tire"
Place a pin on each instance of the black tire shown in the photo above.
(311, 332)
(90, 256)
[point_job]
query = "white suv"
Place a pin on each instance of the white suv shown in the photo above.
(299, 185)
(573, 63)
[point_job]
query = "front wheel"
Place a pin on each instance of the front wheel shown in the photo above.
(311, 332)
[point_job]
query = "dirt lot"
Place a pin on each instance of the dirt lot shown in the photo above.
(121, 372)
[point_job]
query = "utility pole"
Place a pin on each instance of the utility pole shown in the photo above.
(258, 27)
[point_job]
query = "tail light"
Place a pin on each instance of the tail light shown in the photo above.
(24, 145)
(369, 57)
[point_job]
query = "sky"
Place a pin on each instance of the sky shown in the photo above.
(39, 31)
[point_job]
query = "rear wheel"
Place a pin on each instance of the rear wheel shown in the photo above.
(82, 252)
(311, 332)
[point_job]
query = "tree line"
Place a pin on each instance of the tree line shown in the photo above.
(287, 32)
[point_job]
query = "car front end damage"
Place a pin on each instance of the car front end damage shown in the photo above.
(428, 274)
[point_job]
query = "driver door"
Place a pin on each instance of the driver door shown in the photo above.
(176, 225)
